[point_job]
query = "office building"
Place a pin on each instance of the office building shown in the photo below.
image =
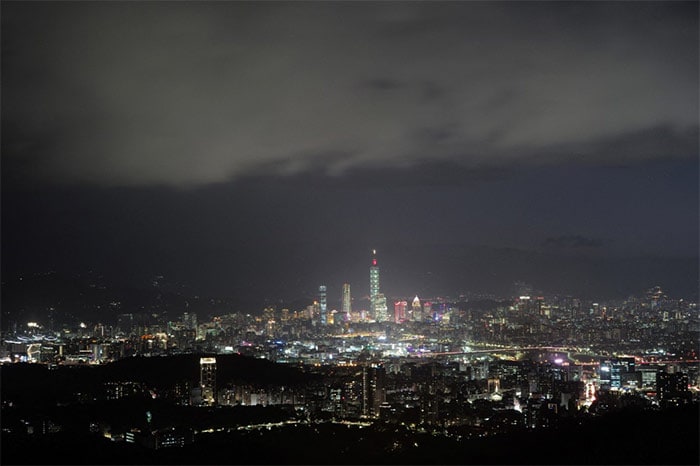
(373, 389)
(672, 388)
(207, 380)
(614, 370)
(416, 312)
(323, 305)
(400, 311)
(381, 310)
(347, 302)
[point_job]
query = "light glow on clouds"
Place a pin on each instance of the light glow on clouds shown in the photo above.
(186, 94)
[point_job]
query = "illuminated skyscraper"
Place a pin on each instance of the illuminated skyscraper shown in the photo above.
(613, 371)
(347, 301)
(381, 311)
(373, 283)
(189, 320)
(207, 379)
(323, 305)
(400, 311)
(416, 309)
(373, 389)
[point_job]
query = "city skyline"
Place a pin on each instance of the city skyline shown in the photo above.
(167, 382)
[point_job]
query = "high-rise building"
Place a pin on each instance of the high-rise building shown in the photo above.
(373, 283)
(207, 379)
(381, 311)
(427, 310)
(189, 319)
(311, 312)
(672, 388)
(125, 323)
(323, 305)
(284, 315)
(268, 314)
(400, 311)
(416, 309)
(613, 371)
(347, 302)
(373, 389)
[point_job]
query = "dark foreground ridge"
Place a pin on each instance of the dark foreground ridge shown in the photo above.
(628, 437)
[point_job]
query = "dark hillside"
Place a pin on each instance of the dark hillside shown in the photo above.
(28, 384)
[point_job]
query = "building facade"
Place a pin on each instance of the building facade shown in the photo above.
(347, 301)
(207, 380)
(373, 283)
(323, 305)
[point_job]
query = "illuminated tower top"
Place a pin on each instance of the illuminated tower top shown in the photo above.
(416, 303)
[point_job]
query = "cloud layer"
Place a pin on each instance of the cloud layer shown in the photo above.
(190, 93)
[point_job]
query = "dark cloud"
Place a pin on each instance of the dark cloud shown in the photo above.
(435, 134)
(194, 93)
(283, 235)
(432, 91)
(573, 241)
(259, 149)
(382, 84)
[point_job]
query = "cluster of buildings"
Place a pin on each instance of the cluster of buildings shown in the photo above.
(469, 396)
(488, 365)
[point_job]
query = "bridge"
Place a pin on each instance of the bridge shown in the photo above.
(519, 349)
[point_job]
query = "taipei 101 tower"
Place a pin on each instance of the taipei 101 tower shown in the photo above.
(373, 283)
(375, 297)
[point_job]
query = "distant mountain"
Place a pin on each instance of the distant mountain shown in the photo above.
(92, 298)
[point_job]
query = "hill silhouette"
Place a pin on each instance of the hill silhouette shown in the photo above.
(29, 384)
(631, 437)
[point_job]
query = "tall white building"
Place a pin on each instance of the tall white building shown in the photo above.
(416, 312)
(347, 301)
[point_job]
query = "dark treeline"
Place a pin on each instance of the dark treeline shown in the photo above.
(629, 437)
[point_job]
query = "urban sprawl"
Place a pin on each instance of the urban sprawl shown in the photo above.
(467, 366)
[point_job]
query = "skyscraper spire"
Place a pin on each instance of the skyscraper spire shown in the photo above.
(373, 282)
(377, 300)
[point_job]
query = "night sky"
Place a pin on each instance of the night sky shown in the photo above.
(258, 150)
